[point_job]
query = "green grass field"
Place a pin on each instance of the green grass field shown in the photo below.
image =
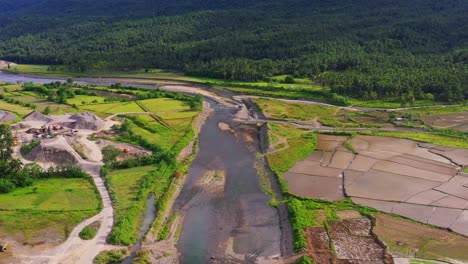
(163, 104)
(300, 142)
(125, 185)
(47, 210)
(51, 195)
(85, 100)
(294, 111)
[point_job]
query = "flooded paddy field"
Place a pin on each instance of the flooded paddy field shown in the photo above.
(419, 181)
(457, 121)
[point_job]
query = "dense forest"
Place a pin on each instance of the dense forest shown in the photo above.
(405, 49)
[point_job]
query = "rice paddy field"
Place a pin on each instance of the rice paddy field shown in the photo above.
(392, 175)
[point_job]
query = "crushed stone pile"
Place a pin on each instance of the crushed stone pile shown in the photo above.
(36, 116)
(6, 116)
(87, 120)
(55, 150)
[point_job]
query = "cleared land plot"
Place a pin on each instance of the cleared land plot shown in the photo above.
(408, 239)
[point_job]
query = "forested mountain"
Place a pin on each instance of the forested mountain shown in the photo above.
(370, 49)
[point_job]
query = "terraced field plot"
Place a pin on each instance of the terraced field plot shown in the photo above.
(166, 137)
(163, 104)
(397, 176)
(104, 110)
(18, 109)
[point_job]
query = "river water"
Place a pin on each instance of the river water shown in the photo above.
(240, 213)
(234, 221)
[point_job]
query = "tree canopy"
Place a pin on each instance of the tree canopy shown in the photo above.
(370, 49)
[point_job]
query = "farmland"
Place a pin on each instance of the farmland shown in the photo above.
(324, 169)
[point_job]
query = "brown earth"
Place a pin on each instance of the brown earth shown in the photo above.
(352, 241)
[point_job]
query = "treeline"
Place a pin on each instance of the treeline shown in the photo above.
(195, 102)
(56, 91)
(15, 174)
(367, 49)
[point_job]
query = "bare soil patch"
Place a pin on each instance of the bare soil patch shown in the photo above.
(319, 245)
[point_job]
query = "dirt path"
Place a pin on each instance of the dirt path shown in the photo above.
(351, 108)
(281, 140)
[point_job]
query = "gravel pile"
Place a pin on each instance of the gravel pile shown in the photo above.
(6, 116)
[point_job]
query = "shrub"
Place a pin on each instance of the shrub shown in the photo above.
(25, 149)
(111, 257)
(89, 232)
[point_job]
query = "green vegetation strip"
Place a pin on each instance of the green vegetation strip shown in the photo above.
(90, 231)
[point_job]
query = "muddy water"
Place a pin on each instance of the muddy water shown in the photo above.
(241, 212)
(216, 224)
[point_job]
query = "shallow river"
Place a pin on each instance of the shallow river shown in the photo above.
(235, 220)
